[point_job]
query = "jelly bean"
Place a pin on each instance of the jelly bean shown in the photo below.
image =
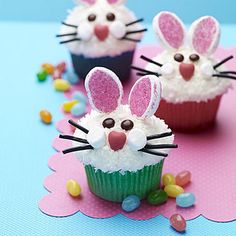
(45, 116)
(42, 75)
(72, 78)
(183, 178)
(57, 75)
(61, 67)
(157, 197)
(131, 203)
(168, 179)
(49, 68)
(61, 85)
(68, 105)
(178, 222)
(173, 190)
(80, 97)
(185, 200)
(78, 109)
(73, 188)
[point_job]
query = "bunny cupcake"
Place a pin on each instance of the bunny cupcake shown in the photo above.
(101, 33)
(193, 79)
(121, 146)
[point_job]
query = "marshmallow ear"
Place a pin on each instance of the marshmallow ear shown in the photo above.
(86, 2)
(116, 2)
(169, 29)
(145, 96)
(204, 35)
(104, 89)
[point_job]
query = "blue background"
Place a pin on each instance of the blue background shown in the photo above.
(55, 10)
(26, 142)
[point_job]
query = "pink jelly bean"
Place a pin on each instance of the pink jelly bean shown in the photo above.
(183, 178)
(178, 222)
(61, 67)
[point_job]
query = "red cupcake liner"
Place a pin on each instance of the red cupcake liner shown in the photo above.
(189, 116)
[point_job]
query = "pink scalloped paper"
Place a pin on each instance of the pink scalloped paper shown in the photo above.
(210, 156)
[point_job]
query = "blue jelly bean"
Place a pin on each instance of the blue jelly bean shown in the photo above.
(79, 96)
(185, 200)
(131, 203)
(72, 78)
(78, 109)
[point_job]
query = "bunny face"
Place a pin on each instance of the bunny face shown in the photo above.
(122, 137)
(186, 67)
(100, 27)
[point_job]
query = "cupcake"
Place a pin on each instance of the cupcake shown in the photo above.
(122, 147)
(101, 33)
(193, 80)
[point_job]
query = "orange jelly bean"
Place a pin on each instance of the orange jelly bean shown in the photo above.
(45, 116)
(49, 68)
(183, 178)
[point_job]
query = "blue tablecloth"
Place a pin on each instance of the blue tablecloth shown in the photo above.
(25, 143)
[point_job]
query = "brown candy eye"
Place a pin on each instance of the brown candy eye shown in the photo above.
(111, 17)
(108, 123)
(127, 125)
(92, 17)
(194, 57)
(179, 57)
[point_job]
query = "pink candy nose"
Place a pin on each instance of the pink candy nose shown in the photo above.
(116, 140)
(101, 31)
(186, 70)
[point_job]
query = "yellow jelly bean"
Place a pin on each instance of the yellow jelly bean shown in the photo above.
(73, 188)
(61, 85)
(173, 190)
(168, 179)
(49, 68)
(45, 116)
(68, 105)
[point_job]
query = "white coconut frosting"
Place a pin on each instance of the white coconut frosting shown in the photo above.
(201, 87)
(126, 159)
(90, 45)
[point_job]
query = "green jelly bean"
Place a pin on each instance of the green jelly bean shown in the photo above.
(157, 197)
(42, 75)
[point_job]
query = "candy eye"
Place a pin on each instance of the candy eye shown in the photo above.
(111, 17)
(194, 57)
(179, 57)
(108, 123)
(127, 125)
(92, 17)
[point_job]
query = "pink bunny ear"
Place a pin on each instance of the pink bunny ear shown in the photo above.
(104, 89)
(116, 2)
(86, 2)
(169, 29)
(145, 96)
(205, 35)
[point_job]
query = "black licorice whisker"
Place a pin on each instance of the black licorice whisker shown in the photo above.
(141, 74)
(145, 71)
(157, 136)
(224, 76)
(132, 40)
(160, 146)
(72, 138)
(150, 60)
(70, 40)
(77, 149)
(69, 25)
(135, 22)
(71, 122)
(228, 72)
(161, 154)
(223, 62)
(135, 31)
(63, 35)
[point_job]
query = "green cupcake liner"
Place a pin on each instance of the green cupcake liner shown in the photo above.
(116, 186)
